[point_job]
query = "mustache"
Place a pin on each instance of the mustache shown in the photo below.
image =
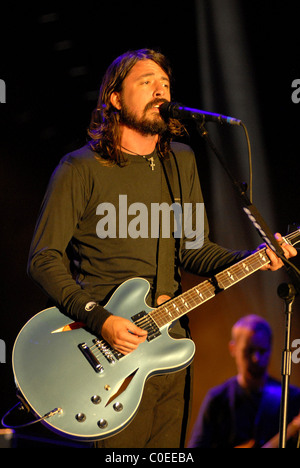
(154, 102)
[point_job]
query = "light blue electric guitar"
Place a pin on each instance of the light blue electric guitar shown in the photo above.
(84, 389)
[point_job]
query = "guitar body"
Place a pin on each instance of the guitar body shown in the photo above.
(52, 370)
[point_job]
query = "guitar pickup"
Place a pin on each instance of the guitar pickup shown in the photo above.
(145, 321)
(97, 366)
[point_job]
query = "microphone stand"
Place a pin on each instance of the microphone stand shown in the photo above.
(287, 292)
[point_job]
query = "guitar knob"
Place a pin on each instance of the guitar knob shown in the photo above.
(118, 407)
(96, 399)
(102, 423)
(80, 417)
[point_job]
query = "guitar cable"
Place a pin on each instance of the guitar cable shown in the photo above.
(23, 407)
(249, 162)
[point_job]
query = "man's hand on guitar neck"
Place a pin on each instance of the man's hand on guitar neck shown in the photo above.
(122, 334)
(276, 262)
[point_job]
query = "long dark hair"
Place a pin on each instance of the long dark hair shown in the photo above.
(104, 128)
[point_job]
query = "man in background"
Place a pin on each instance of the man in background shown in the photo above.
(245, 410)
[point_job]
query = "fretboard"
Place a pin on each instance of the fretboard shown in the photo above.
(203, 292)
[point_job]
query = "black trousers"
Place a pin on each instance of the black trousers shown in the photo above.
(162, 419)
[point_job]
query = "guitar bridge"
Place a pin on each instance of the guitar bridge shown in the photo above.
(90, 356)
(111, 354)
(146, 322)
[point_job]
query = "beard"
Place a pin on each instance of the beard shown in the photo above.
(144, 125)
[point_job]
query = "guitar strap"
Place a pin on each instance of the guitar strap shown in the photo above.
(168, 271)
(168, 248)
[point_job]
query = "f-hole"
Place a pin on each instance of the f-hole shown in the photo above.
(122, 388)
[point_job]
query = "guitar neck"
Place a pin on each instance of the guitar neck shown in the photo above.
(203, 292)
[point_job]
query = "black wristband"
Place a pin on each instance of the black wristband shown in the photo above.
(94, 317)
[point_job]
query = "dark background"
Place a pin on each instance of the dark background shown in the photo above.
(52, 61)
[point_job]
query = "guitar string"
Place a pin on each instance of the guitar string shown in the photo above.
(293, 235)
(255, 262)
(206, 287)
(192, 299)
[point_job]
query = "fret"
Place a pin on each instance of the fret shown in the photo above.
(189, 300)
(204, 292)
(183, 304)
(242, 269)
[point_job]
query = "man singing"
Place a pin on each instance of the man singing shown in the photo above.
(130, 152)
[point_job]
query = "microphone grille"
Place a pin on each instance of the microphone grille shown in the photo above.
(168, 109)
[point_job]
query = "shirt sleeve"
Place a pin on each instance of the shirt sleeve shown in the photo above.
(63, 206)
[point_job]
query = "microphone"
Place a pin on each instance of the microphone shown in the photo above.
(178, 111)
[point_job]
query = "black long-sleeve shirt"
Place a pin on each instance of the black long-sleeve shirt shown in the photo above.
(86, 200)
